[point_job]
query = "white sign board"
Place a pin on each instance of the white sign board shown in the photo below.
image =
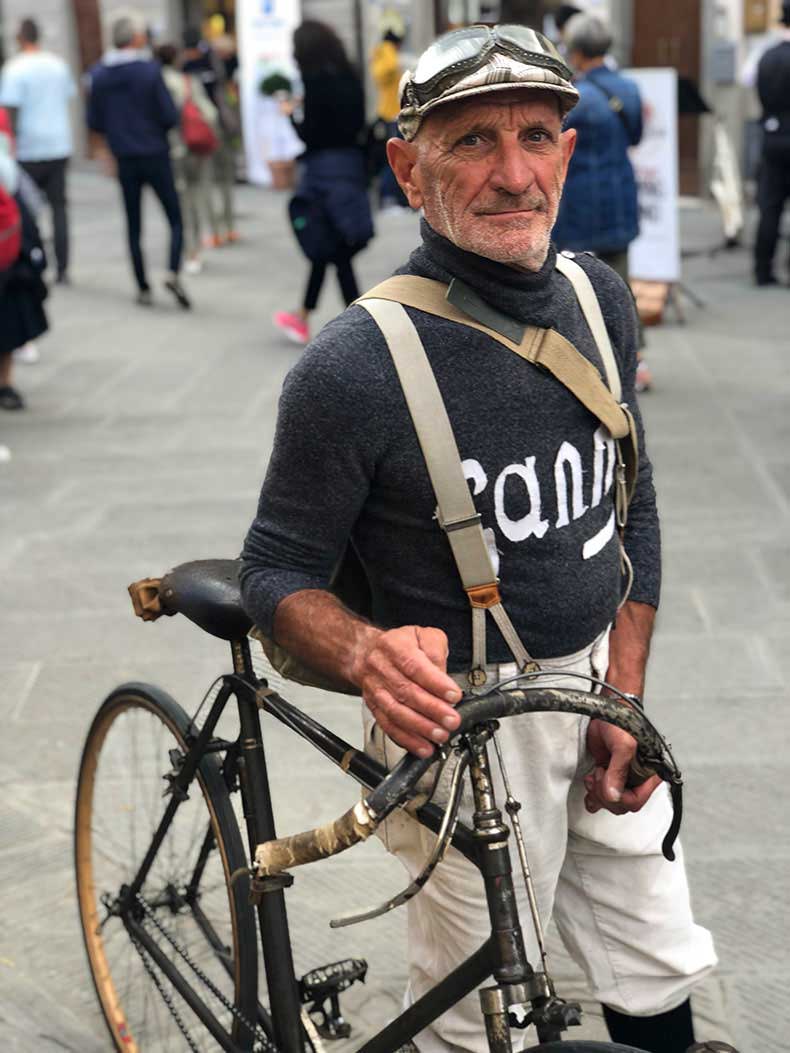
(265, 32)
(655, 254)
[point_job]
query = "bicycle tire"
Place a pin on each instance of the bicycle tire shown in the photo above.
(580, 1046)
(138, 725)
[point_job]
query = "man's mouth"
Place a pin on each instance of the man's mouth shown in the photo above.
(525, 210)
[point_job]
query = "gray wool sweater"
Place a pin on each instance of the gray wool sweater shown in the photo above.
(346, 464)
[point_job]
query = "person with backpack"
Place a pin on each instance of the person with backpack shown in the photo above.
(22, 265)
(130, 106)
(200, 60)
(426, 393)
(193, 143)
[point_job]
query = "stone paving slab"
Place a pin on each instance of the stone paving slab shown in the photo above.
(144, 444)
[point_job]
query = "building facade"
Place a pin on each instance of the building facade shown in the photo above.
(708, 41)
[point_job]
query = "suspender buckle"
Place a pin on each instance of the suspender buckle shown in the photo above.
(477, 677)
(459, 524)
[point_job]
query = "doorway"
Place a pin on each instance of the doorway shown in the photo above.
(669, 33)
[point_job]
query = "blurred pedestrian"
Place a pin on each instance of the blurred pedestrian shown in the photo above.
(22, 264)
(191, 165)
(773, 186)
(332, 188)
(385, 69)
(130, 106)
(599, 208)
(199, 59)
(36, 88)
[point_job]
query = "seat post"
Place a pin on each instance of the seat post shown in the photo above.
(242, 658)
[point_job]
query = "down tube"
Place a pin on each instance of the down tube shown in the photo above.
(461, 981)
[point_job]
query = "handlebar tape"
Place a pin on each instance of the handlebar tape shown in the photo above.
(272, 857)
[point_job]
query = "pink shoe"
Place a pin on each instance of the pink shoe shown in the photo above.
(294, 327)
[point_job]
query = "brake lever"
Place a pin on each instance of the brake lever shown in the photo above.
(642, 769)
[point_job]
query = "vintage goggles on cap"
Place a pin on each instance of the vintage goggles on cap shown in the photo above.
(477, 60)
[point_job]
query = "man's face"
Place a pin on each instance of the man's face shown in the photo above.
(488, 173)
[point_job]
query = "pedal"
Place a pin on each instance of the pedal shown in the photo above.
(324, 985)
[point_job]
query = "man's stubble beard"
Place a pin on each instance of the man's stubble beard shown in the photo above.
(490, 245)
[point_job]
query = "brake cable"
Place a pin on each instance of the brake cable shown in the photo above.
(513, 807)
(443, 839)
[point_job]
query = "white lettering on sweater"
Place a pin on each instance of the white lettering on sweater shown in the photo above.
(569, 492)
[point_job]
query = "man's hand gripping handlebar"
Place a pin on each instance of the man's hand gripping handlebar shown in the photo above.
(653, 757)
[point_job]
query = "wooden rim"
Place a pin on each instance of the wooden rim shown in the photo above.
(86, 887)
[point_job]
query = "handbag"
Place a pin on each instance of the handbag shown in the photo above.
(198, 135)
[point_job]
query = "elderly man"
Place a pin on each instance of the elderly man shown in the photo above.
(485, 157)
(131, 107)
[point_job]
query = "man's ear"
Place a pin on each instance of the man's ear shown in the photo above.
(402, 157)
(568, 143)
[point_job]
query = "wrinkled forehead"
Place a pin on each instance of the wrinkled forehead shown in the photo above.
(504, 108)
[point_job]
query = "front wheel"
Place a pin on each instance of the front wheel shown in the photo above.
(194, 901)
(572, 1046)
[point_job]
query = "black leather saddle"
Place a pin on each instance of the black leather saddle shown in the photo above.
(207, 591)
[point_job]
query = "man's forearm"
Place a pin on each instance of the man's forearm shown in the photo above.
(629, 647)
(315, 625)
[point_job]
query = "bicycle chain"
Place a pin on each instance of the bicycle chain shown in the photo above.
(169, 1003)
(264, 1044)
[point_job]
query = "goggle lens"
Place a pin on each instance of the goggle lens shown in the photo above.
(462, 46)
(459, 46)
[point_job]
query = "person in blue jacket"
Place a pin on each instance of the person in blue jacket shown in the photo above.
(129, 104)
(599, 211)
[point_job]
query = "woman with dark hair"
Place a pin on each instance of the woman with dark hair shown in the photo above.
(330, 210)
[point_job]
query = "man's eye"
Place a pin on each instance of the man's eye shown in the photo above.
(538, 135)
(473, 139)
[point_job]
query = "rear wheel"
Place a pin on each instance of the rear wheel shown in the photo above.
(194, 902)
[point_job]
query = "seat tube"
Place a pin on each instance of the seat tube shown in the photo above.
(284, 1001)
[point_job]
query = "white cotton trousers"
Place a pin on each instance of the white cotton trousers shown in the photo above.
(622, 910)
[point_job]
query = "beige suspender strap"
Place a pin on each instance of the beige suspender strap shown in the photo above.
(591, 310)
(543, 347)
(457, 514)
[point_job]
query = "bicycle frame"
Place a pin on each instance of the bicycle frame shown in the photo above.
(502, 956)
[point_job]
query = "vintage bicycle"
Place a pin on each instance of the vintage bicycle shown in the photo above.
(168, 894)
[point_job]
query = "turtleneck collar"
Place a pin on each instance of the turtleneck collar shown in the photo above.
(523, 295)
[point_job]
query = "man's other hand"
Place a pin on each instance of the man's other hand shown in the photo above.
(402, 674)
(613, 749)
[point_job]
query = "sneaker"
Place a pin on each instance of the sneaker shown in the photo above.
(174, 286)
(28, 354)
(145, 298)
(5, 454)
(10, 398)
(63, 278)
(213, 241)
(764, 280)
(294, 327)
(233, 236)
(193, 266)
(644, 378)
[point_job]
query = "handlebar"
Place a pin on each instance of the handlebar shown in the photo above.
(653, 757)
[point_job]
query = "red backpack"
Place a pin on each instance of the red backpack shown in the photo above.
(10, 230)
(198, 135)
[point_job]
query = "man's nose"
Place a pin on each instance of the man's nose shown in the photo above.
(512, 171)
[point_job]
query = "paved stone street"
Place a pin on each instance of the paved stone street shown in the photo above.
(143, 446)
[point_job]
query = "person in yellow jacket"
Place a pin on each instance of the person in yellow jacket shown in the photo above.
(386, 72)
